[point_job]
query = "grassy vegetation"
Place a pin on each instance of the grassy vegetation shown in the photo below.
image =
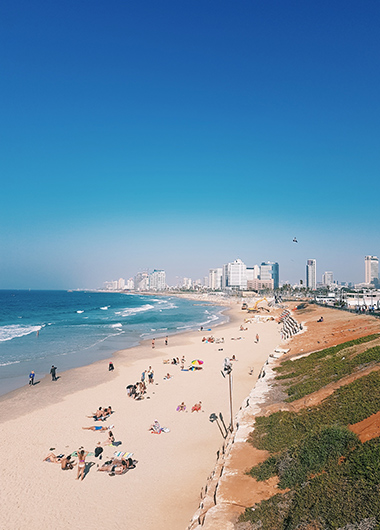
(312, 455)
(333, 479)
(347, 405)
(308, 374)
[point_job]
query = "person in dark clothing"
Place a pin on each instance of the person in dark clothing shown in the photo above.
(53, 373)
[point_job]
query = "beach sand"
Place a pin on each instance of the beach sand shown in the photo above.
(163, 491)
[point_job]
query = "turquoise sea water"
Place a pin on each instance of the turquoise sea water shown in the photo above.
(71, 329)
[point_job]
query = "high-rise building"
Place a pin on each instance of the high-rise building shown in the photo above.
(253, 273)
(130, 284)
(157, 280)
(215, 278)
(328, 278)
(270, 270)
(311, 274)
(186, 283)
(121, 284)
(142, 281)
(371, 269)
(235, 275)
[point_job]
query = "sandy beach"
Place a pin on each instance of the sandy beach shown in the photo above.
(163, 490)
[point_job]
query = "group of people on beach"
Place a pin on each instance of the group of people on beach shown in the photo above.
(115, 466)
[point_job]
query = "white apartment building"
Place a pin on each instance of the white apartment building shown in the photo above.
(157, 280)
(235, 275)
(215, 278)
(253, 273)
(121, 284)
(129, 284)
(311, 274)
(371, 268)
(187, 283)
(328, 278)
(142, 281)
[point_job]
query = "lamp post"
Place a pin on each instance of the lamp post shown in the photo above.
(227, 370)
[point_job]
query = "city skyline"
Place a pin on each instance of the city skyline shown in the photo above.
(239, 275)
(178, 137)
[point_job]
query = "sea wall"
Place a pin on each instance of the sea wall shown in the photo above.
(229, 490)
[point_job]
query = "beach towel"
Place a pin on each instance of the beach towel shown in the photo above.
(123, 455)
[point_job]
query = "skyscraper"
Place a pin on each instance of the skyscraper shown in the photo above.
(157, 280)
(270, 271)
(215, 278)
(371, 269)
(235, 275)
(328, 278)
(311, 274)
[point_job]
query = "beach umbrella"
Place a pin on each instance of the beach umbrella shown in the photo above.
(197, 362)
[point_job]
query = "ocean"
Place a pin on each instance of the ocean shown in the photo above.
(72, 329)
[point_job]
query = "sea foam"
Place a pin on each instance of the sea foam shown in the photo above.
(15, 331)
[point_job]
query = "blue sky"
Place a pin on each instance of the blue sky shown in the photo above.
(181, 135)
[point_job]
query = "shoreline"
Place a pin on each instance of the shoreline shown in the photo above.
(174, 465)
(141, 341)
(78, 378)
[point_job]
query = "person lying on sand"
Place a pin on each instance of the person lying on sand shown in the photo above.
(168, 376)
(117, 466)
(197, 407)
(98, 428)
(181, 407)
(51, 457)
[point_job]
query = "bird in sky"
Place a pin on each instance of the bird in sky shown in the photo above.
(295, 240)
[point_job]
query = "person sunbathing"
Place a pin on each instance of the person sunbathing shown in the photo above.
(168, 376)
(98, 415)
(155, 428)
(181, 407)
(51, 457)
(110, 440)
(197, 407)
(117, 466)
(100, 428)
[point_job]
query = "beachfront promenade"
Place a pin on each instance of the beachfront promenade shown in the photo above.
(163, 490)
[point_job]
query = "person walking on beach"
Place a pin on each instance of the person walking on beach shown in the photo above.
(110, 366)
(166, 340)
(257, 337)
(53, 373)
(31, 378)
(143, 376)
(150, 375)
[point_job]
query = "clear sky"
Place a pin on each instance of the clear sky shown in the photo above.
(182, 135)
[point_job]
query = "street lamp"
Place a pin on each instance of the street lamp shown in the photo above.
(227, 370)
